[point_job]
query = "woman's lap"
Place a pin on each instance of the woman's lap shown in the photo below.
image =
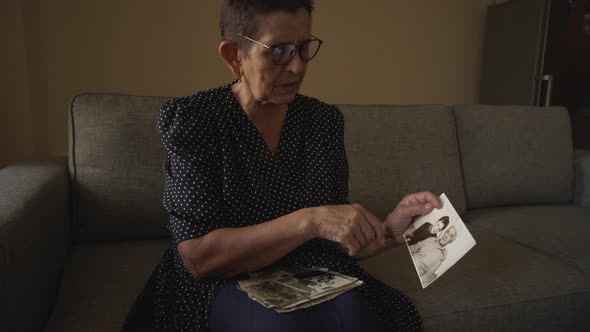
(233, 310)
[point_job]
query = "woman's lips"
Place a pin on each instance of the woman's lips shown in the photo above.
(289, 86)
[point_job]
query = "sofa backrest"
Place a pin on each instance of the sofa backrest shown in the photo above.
(396, 150)
(116, 163)
(515, 155)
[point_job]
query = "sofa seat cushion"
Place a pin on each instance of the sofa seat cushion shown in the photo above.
(499, 285)
(556, 230)
(101, 282)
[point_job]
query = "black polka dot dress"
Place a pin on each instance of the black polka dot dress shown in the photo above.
(220, 173)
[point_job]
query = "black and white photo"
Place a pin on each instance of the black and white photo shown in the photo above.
(436, 241)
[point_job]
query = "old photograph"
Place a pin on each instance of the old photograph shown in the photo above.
(277, 294)
(293, 288)
(436, 241)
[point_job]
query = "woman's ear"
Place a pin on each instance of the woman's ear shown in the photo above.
(229, 52)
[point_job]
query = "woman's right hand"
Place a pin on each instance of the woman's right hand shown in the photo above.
(352, 227)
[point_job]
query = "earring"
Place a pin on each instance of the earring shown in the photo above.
(240, 77)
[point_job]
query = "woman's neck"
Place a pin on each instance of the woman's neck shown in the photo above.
(267, 118)
(255, 109)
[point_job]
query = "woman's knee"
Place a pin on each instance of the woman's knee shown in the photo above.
(233, 310)
(350, 312)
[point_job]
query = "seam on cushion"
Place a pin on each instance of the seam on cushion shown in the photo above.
(394, 105)
(102, 94)
(460, 155)
(573, 180)
(505, 304)
(3, 257)
(537, 250)
(579, 178)
(74, 183)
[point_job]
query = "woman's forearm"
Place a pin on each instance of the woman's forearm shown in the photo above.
(227, 252)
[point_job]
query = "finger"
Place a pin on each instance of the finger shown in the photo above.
(345, 238)
(409, 199)
(361, 227)
(345, 248)
(361, 233)
(420, 197)
(352, 251)
(413, 210)
(377, 226)
(364, 224)
(413, 198)
(352, 236)
(352, 245)
(432, 199)
(426, 197)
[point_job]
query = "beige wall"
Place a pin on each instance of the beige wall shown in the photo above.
(16, 138)
(375, 51)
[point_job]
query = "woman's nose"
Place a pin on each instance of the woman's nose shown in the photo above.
(296, 65)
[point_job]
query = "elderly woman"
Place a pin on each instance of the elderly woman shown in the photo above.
(256, 176)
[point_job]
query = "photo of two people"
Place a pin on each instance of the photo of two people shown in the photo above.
(437, 241)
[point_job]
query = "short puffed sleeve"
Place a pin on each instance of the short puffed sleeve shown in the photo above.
(193, 173)
(326, 163)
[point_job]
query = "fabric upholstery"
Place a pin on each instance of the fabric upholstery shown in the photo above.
(116, 161)
(515, 154)
(555, 230)
(527, 271)
(34, 210)
(101, 282)
(582, 176)
(396, 150)
(499, 285)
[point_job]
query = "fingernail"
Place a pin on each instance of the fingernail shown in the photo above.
(428, 206)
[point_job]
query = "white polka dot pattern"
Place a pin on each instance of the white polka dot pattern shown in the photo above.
(219, 173)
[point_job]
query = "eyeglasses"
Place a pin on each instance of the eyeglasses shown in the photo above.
(283, 53)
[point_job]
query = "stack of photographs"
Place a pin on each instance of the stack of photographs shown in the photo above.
(294, 288)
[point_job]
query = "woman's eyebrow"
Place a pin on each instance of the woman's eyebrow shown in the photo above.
(291, 42)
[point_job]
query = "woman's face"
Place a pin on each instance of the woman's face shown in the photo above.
(268, 82)
(437, 227)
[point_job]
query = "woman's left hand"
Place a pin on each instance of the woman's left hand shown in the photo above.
(403, 215)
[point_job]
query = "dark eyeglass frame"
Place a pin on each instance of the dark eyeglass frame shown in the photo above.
(298, 49)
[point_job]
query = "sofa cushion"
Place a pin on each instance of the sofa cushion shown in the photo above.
(116, 163)
(515, 154)
(495, 286)
(396, 150)
(557, 230)
(34, 238)
(498, 286)
(582, 177)
(101, 282)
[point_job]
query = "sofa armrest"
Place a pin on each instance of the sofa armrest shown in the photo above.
(582, 177)
(34, 238)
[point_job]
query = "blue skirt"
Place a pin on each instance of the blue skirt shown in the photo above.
(233, 310)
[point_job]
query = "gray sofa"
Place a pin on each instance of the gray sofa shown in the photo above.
(79, 239)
